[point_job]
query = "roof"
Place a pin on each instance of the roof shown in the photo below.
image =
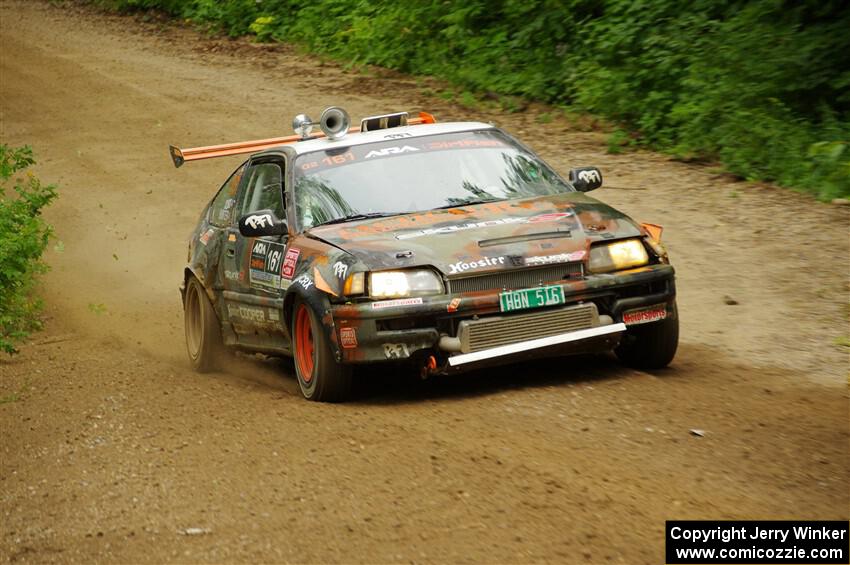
(361, 138)
(423, 125)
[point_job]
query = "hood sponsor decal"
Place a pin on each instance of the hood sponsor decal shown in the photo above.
(398, 302)
(541, 218)
(463, 266)
(559, 258)
(265, 265)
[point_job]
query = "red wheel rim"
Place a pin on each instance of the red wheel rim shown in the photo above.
(304, 343)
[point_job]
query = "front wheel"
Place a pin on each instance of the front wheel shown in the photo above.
(651, 346)
(203, 331)
(320, 377)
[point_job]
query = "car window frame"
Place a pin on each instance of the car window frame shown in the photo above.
(265, 160)
(224, 185)
(294, 169)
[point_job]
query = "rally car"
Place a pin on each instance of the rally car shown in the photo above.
(448, 246)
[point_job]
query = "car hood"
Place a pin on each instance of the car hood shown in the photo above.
(485, 237)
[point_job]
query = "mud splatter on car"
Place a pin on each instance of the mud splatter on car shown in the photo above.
(447, 246)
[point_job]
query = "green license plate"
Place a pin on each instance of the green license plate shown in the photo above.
(531, 298)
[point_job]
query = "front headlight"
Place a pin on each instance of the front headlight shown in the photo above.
(617, 255)
(395, 284)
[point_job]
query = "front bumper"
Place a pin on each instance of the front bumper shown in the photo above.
(418, 329)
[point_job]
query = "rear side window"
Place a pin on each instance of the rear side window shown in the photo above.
(223, 205)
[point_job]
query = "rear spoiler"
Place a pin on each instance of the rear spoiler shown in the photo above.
(180, 156)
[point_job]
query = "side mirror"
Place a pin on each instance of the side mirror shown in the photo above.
(261, 222)
(586, 179)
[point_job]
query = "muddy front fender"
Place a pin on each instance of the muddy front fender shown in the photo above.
(316, 300)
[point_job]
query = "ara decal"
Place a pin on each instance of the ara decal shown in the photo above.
(266, 259)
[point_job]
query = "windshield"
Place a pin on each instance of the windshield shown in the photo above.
(416, 174)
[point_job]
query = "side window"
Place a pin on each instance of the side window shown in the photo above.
(221, 210)
(264, 190)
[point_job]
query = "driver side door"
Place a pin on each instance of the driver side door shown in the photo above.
(252, 266)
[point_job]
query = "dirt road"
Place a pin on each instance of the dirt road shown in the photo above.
(114, 451)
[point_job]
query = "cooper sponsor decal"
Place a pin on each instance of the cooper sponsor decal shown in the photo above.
(463, 266)
(233, 275)
(289, 262)
(394, 303)
(265, 265)
(348, 338)
(559, 258)
(453, 305)
(645, 315)
(540, 218)
(246, 313)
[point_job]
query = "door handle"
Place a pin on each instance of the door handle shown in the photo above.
(231, 252)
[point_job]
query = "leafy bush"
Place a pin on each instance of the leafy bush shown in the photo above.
(23, 237)
(759, 85)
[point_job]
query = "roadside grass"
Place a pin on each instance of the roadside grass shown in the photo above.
(24, 235)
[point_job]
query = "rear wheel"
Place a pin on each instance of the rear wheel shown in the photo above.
(651, 346)
(320, 377)
(203, 331)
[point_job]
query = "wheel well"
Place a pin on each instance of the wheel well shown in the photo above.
(189, 274)
(185, 283)
(288, 308)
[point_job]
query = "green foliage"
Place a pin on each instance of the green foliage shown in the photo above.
(23, 237)
(763, 86)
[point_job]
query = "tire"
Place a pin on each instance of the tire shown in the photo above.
(319, 376)
(651, 346)
(203, 329)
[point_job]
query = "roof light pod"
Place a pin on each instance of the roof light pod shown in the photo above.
(335, 122)
(385, 121)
